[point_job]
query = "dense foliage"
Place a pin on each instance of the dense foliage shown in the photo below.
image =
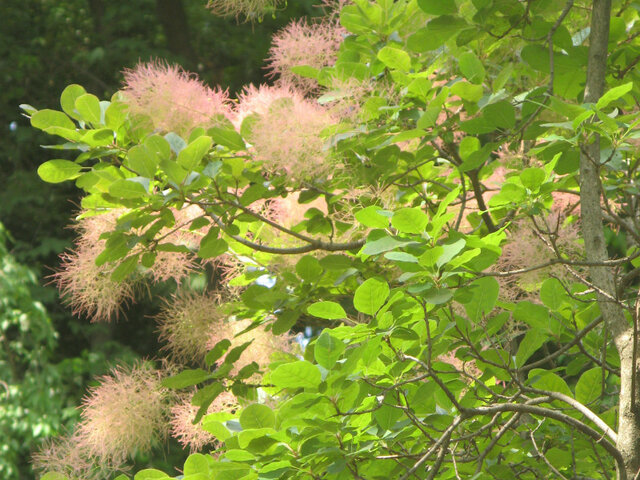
(412, 192)
(44, 46)
(31, 404)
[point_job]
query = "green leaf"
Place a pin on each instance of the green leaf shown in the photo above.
(327, 349)
(211, 246)
(296, 375)
(190, 156)
(381, 245)
(174, 172)
(395, 58)
(500, 114)
(386, 416)
(56, 171)
(217, 352)
(96, 138)
(204, 397)
(285, 320)
(196, 463)
(370, 296)
(531, 342)
(227, 138)
(186, 378)
(257, 415)
(471, 66)
(150, 474)
(127, 188)
(468, 145)
(88, 106)
(410, 220)
(115, 115)
(545, 380)
(234, 354)
(532, 178)
(483, 298)
(306, 71)
(467, 91)
(68, 100)
(125, 268)
(43, 119)
(534, 315)
(431, 256)
(552, 293)
(449, 251)
(142, 161)
(176, 142)
(53, 476)
(437, 296)
(369, 217)
(589, 386)
(613, 94)
(216, 428)
(158, 146)
(117, 247)
(438, 7)
(327, 310)
(308, 268)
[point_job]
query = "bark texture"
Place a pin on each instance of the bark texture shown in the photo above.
(596, 250)
(173, 18)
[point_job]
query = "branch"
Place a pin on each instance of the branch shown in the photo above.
(444, 439)
(554, 415)
(312, 246)
(601, 424)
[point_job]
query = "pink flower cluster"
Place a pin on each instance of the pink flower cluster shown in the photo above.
(174, 100)
(89, 288)
(250, 9)
(287, 132)
(124, 415)
(192, 324)
(304, 44)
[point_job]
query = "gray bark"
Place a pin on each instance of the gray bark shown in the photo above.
(596, 250)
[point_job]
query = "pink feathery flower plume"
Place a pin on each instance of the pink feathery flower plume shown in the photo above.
(174, 100)
(125, 414)
(250, 9)
(303, 43)
(287, 132)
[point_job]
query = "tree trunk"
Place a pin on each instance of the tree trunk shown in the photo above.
(96, 7)
(596, 250)
(173, 18)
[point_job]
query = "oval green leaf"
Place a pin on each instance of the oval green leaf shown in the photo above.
(395, 58)
(125, 188)
(301, 374)
(369, 217)
(257, 415)
(410, 220)
(327, 310)
(589, 387)
(88, 106)
(46, 118)
(370, 296)
(190, 156)
(327, 350)
(56, 171)
(471, 66)
(68, 100)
